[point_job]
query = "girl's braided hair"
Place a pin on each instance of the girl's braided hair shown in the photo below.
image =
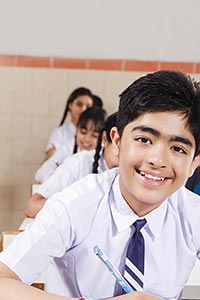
(108, 124)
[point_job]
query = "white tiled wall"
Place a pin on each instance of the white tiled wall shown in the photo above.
(32, 101)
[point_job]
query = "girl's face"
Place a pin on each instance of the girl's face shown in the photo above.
(80, 104)
(86, 138)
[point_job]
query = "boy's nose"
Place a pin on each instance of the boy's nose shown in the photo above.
(158, 157)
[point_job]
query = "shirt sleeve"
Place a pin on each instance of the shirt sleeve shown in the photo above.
(47, 237)
(50, 165)
(67, 173)
(54, 139)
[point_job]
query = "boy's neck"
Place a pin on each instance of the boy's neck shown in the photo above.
(140, 208)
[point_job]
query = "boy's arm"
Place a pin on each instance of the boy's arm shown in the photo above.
(137, 296)
(11, 288)
(34, 205)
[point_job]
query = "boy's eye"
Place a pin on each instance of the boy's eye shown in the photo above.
(143, 140)
(179, 149)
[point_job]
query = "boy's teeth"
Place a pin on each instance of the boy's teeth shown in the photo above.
(151, 176)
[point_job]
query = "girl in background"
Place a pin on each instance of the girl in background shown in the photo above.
(79, 100)
(88, 126)
(77, 166)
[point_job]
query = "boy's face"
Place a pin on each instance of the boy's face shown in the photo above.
(156, 154)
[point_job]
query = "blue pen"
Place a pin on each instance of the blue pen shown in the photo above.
(119, 278)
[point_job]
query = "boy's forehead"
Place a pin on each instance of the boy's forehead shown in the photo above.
(165, 123)
(160, 117)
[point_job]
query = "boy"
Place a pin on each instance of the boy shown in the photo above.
(158, 141)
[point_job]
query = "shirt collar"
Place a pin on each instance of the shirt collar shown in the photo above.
(155, 218)
(124, 216)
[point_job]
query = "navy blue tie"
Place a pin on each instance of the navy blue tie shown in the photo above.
(134, 264)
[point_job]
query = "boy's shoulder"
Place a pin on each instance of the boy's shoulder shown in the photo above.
(187, 203)
(184, 207)
(184, 194)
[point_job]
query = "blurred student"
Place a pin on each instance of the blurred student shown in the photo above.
(76, 166)
(88, 126)
(79, 100)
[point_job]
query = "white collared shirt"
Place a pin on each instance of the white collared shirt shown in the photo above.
(93, 212)
(72, 169)
(49, 166)
(61, 135)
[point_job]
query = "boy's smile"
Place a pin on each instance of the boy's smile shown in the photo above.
(156, 154)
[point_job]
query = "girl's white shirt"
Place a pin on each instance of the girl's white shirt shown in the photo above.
(61, 135)
(50, 165)
(72, 169)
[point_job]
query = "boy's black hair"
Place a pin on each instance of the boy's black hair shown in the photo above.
(81, 91)
(95, 114)
(108, 124)
(159, 92)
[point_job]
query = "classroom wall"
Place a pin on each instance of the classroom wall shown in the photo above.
(166, 30)
(32, 101)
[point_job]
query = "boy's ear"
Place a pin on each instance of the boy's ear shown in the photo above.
(195, 164)
(114, 135)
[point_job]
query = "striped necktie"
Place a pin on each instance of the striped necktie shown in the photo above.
(134, 264)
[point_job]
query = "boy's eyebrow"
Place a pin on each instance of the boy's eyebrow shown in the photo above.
(173, 138)
(181, 140)
(147, 129)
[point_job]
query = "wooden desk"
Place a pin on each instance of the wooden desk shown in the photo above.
(192, 287)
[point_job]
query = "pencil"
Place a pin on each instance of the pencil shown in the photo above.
(119, 278)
